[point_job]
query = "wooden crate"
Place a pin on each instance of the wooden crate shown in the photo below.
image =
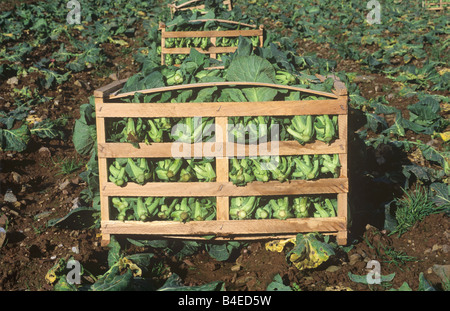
(193, 4)
(222, 227)
(213, 50)
(436, 5)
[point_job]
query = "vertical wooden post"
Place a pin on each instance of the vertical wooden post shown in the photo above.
(213, 42)
(103, 173)
(162, 27)
(342, 198)
(222, 167)
(261, 36)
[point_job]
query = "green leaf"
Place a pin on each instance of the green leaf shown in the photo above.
(151, 243)
(198, 58)
(142, 259)
(84, 137)
(232, 94)
(64, 286)
(251, 68)
(188, 248)
(259, 94)
(403, 288)
(277, 285)
(78, 218)
(153, 80)
(374, 121)
(432, 154)
(422, 173)
(113, 281)
(18, 114)
(15, 139)
(205, 95)
(114, 251)
(424, 285)
(425, 110)
(390, 223)
(47, 129)
(309, 251)
(244, 47)
(174, 283)
(221, 252)
(440, 193)
(363, 278)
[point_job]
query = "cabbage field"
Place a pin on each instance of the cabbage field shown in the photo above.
(391, 55)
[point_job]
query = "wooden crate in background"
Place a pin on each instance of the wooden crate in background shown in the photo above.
(213, 50)
(193, 4)
(108, 106)
(436, 5)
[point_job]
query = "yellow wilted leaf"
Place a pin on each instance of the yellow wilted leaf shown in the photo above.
(118, 41)
(79, 27)
(51, 275)
(140, 13)
(308, 252)
(445, 107)
(338, 288)
(8, 35)
(445, 136)
(33, 119)
(443, 71)
(278, 246)
(125, 262)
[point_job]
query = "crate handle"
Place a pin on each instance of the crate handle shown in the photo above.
(163, 25)
(173, 4)
(182, 4)
(225, 83)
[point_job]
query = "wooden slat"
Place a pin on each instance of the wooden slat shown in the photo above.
(222, 168)
(185, 6)
(343, 134)
(226, 21)
(234, 237)
(213, 50)
(109, 88)
(211, 33)
(103, 172)
(210, 50)
(221, 109)
(226, 227)
(210, 149)
(343, 213)
(225, 83)
(224, 189)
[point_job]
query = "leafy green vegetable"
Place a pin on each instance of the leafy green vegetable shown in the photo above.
(84, 132)
(15, 139)
(363, 278)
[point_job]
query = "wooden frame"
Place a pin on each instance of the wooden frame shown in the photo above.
(213, 50)
(222, 227)
(190, 5)
(433, 5)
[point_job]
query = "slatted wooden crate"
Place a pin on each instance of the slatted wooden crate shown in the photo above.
(193, 4)
(212, 50)
(222, 227)
(434, 5)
